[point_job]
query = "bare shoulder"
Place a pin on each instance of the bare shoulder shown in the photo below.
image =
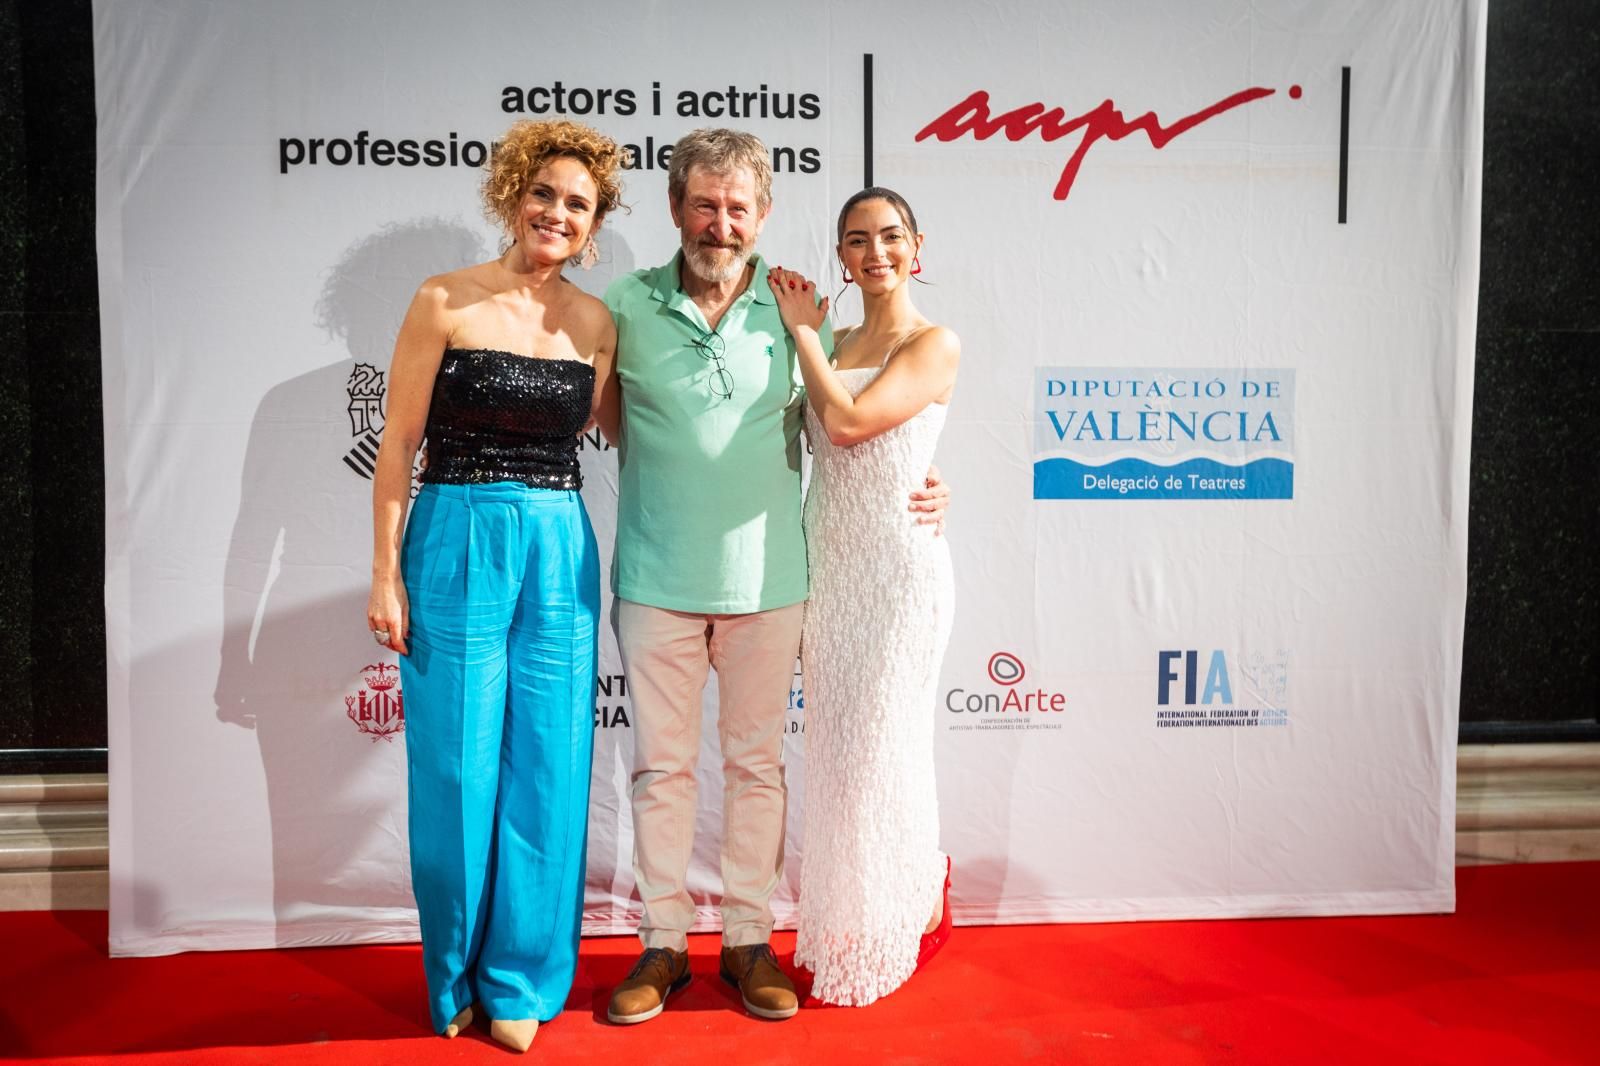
(431, 307)
(443, 292)
(839, 337)
(590, 322)
(440, 301)
(938, 343)
(590, 311)
(437, 290)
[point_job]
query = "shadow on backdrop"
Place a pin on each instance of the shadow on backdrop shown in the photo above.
(298, 666)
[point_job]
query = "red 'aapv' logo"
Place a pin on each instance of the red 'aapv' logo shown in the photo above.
(972, 116)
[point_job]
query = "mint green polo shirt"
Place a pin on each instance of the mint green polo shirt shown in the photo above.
(708, 488)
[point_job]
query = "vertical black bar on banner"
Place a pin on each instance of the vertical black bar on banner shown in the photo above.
(866, 120)
(1344, 141)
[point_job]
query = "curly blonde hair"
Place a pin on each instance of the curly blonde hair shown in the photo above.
(528, 146)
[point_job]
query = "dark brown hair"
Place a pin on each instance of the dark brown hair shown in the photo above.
(878, 192)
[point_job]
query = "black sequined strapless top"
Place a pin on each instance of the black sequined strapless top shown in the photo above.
(496, 416)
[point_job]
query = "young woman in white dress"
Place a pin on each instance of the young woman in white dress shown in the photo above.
(874, 884)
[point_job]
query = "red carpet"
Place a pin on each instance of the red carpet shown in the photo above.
(1513, 977)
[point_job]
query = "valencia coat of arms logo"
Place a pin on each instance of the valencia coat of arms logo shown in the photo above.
(379, 708)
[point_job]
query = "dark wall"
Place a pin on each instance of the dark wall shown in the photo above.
(52, 499)
(1533, 598)
(1534, 595)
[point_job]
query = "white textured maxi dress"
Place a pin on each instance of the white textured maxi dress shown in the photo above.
(876, 626)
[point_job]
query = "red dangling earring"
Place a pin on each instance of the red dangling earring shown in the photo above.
(845, 274)
(916, 265)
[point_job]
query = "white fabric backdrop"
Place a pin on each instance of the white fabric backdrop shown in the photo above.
(1310, 615)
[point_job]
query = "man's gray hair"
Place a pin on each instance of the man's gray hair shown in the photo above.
(720, 152)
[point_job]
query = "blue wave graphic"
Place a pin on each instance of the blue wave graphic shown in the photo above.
(1139, 479)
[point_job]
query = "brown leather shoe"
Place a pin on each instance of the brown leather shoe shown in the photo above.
(658, 973)
(767, 992)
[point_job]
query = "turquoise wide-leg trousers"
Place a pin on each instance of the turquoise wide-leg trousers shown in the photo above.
(504, 585)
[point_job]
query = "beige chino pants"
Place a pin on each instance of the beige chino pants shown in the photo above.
(666, 655)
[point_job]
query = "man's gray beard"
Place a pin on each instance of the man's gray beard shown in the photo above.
(705, 264)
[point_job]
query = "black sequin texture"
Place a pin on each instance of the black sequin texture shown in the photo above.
(496, 416)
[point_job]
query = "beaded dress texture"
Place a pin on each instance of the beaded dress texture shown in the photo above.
(876, 626)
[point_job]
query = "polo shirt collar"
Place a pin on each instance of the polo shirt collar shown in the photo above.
(760, 291)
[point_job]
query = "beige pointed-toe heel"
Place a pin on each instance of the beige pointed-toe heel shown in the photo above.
(458, 1023)
(517, 1035)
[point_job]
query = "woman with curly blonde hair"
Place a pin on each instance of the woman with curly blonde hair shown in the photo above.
(492, 595)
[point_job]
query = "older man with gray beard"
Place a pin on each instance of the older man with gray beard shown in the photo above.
(710, 564)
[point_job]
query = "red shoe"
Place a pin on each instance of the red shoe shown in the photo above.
(932, 942)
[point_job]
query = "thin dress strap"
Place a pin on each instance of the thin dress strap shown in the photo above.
(897, 345)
